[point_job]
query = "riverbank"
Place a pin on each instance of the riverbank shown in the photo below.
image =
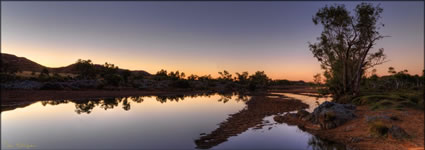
(355, 133)
(11, 96)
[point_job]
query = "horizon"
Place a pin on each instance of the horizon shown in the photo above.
(151, 36)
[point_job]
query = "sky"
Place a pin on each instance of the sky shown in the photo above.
(196, 37)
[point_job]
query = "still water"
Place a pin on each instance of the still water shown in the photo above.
(155, 122)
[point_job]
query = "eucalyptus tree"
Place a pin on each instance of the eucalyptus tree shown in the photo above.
(345, 47)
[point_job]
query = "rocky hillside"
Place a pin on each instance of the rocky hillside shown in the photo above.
(24, 64)
(21, 63)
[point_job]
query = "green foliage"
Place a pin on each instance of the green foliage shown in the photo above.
(395, 81)
(399, 99)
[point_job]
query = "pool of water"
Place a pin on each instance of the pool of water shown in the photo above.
(156, 122)
(311, 101)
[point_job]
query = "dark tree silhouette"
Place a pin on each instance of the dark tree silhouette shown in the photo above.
(85, 69)
(242, 77)
(225, 75)
(345, 45)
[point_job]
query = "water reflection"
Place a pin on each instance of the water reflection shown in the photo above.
(311, 99)
(184, 121)
(85, 106)
(252, 118)
(257, 108)
(118, 123)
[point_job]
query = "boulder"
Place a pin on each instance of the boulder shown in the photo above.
(331, 115)
(398, 132)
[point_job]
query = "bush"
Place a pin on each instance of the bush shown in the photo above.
(378, 129)
(52, 86)
(259, 80)
(113, 79)
(180, 84)
(4, 77)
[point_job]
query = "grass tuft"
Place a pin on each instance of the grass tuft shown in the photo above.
(378, 129)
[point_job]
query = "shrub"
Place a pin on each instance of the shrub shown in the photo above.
(258, 80)
(86, 69)
(378, 129)
(180, 84)
(52, 86)
(4, 77)
(113, 79)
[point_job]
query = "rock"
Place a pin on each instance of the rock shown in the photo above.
(331, 115)
(306, 118)
(398, 132)
(302, 113)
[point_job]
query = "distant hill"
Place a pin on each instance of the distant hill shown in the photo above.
(24, 64)
(21, 63)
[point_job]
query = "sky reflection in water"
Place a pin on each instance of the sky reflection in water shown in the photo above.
(140, 122)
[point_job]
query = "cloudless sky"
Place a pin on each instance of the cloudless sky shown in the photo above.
(196, 37)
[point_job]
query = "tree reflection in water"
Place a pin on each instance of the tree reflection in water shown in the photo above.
(257, 108)
(54, 102)
(86, 106)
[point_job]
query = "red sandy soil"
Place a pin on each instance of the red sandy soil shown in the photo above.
(411, 120)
